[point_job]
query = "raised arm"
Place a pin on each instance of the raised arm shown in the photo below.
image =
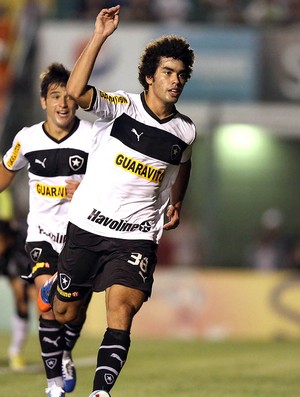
(106, 23)
(177, 195)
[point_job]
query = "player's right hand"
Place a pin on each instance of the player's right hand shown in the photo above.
(71, 186)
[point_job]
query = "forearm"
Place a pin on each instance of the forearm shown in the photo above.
(180, 186)
(6, 177)
(177, 195)
(83, 68)
(106, 23)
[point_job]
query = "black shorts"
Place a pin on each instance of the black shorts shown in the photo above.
(89, 261)
(43, 257)
(14, 260)
(14, 264)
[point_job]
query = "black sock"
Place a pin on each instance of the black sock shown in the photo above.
(111, 358)
(51, 335)
(72, 331)
(71, 335)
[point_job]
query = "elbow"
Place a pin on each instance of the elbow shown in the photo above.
(82, 97)
(74, 90)
(73, 93)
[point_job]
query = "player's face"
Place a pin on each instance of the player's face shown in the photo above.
(60, 108)
(168, 81)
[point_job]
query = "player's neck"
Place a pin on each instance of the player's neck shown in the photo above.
(160, 109)
(56, 132)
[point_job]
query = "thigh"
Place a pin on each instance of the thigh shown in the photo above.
(69, 312)
(122, 303)
(76, 265)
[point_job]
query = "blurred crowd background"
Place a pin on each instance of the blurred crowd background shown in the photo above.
(232, 218)
(252, 12)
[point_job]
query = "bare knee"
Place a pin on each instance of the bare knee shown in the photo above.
(66, 312)
(123, 309)
(122, 304)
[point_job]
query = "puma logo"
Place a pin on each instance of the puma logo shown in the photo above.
(37, 161)
(143, 277)
(136, 133)
(116, 356)
(53, 342)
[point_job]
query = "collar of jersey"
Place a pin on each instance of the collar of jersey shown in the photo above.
(74, 128)
(148, 110)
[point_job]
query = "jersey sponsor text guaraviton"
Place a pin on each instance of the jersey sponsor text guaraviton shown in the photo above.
(140, 169)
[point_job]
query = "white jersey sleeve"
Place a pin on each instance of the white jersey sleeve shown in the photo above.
(14, 159)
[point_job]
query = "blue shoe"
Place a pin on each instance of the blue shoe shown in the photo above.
(68, 372)
(43, 300)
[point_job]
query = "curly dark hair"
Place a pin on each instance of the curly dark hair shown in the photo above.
(56, 73)
(166, 46)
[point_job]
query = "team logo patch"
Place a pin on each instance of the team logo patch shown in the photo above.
(35, 253)
(109, 379)
(76, 162)
(175, 152)
(145, 227)
(51, 362)
(65, 281)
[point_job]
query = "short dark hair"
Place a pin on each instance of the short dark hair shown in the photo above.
(56, 73)
(166, 46)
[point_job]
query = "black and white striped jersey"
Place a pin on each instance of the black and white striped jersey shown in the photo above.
(49, 163)
(132, 166)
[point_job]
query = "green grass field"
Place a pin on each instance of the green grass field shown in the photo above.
(173, 368)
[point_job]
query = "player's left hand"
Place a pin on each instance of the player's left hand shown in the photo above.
(173, 217)
(71, 186)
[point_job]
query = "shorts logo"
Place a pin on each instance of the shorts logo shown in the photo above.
(40, 265)
(51, 362)
(65, 281)
(67, 295)
(35, 253)
(175, 152)
(76, 162)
